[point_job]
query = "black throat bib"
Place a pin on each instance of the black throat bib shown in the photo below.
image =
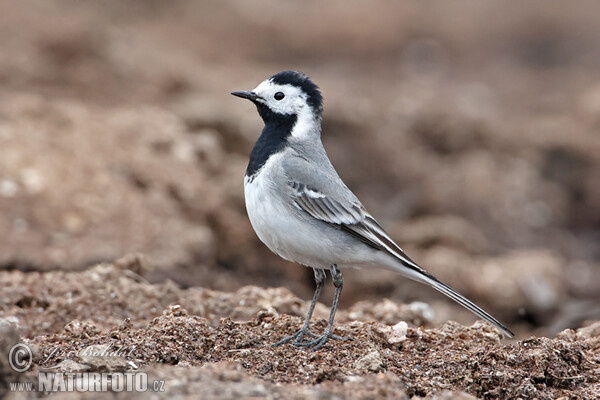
(273, 139)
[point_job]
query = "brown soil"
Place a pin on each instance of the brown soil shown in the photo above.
(211, 338)
(469, 130)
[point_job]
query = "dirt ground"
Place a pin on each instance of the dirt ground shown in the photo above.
(470, 130)
(210, 344)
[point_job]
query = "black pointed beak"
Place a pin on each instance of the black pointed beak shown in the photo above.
(247, 94)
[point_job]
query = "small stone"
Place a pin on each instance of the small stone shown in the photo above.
(397, 333)
(423, 310)
(371, 362)
(8, 188)
(590, 331)
(9, 336)
(451, 395)
(354, 378)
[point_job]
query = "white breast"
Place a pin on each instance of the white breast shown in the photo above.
(264, 207)
(291, 235)
(279, 229)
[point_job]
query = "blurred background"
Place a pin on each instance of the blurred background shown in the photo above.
(471, 130)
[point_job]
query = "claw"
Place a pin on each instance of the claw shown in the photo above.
(297, 337)
(321, 340)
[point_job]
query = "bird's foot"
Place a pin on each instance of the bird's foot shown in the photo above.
(318, 342)
(296, 337)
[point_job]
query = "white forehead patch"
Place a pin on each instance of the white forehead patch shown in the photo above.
(293, 102)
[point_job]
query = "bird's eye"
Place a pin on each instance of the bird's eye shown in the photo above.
(279, 95)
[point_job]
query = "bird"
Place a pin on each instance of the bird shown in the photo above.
(301, 209)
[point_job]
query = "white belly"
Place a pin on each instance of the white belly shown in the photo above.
(280, 230)
(265, 214)
(293, 235)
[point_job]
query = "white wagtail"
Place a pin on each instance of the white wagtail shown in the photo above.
(302, 210)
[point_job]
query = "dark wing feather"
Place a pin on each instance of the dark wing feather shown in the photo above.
(353, 218)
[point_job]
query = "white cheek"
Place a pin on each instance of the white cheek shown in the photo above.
(285, 106)
(278, 107)
(292, 103)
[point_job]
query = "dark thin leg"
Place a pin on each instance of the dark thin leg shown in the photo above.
(320, 281)
(338, 282)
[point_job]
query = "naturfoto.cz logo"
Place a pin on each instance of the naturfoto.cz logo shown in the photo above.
(20, 359)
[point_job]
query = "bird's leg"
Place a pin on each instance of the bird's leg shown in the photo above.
(297, 337)
(338, 282)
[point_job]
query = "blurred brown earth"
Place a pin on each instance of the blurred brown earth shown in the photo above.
(470, 130)
(209, 344)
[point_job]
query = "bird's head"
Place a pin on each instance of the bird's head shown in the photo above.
(285, 94)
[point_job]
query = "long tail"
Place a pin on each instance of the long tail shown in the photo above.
(371, 233)
(440, 286)
(412, 270)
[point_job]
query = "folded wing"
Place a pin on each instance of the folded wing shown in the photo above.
(352, 217)
(349, 216)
